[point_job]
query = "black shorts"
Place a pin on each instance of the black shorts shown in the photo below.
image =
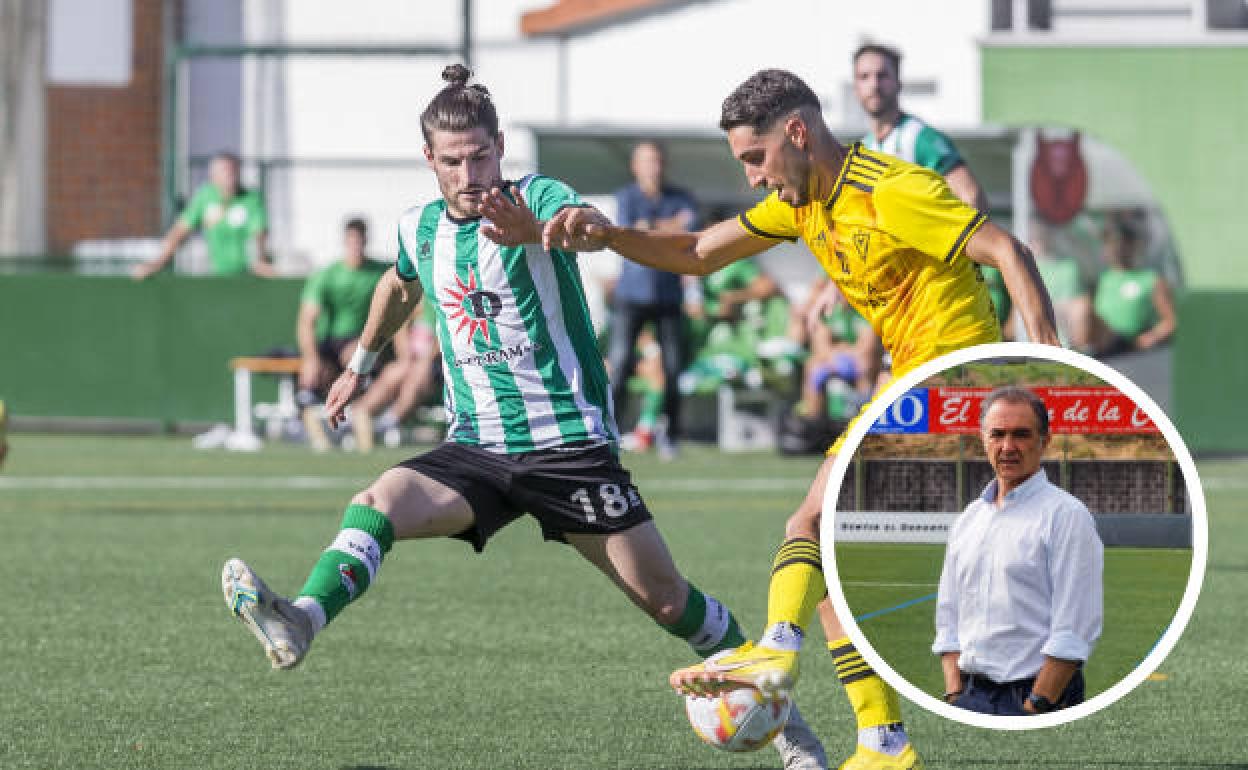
(578, 490)
(331, 349)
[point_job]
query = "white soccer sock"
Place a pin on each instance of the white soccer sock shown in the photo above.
(782, 636)
(886, 739)
(714, 625)
(313, 609)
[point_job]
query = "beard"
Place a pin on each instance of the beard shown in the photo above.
(799, 182)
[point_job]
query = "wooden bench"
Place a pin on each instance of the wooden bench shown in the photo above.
(286, 370)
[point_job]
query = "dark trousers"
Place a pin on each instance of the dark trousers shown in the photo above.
(669, 329)
(1007, 698)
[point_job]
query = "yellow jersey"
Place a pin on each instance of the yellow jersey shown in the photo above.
(892, 235)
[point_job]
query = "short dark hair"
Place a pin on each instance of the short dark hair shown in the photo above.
(888, 52)
(1012, 394)
(765, 97)
(357, 224)
(1125, 225)
(459, 106)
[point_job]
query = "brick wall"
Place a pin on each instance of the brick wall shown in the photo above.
(103, 147)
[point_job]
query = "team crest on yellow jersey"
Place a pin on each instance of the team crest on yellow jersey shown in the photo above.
(862, 239)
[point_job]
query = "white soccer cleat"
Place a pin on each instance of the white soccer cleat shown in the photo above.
(798, 745)
(283, 629)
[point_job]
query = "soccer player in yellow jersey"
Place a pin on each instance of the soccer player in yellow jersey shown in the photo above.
(904, 250)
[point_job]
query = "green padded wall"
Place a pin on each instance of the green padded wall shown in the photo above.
(1178, 114)
(1211, 371)
(94, 346)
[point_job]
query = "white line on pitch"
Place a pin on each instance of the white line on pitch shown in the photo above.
(873, 584)
(345, 482)
(1223, 482)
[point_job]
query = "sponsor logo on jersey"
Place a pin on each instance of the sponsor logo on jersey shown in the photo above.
(425, 249)
(471, 308)
(498, 355)
(346, 576)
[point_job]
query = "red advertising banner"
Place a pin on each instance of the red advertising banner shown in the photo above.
(1071, 410)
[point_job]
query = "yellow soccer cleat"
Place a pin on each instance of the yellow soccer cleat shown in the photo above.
(749, 665)
(866, 759)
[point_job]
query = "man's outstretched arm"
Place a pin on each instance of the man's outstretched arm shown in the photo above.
(994, 247)
(700, 253)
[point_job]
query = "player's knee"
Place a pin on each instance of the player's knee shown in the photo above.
(372, 499)
(803, 523)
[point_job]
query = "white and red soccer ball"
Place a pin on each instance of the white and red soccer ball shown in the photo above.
(741, 719)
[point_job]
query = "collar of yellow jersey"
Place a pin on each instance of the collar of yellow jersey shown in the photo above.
(850, 153)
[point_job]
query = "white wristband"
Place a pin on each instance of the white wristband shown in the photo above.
(362, 360)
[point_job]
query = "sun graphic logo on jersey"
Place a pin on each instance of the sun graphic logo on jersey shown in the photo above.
(471, 308)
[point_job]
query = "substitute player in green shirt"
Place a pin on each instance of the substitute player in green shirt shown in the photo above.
(531, 429)
(229, 216)
(332, 312)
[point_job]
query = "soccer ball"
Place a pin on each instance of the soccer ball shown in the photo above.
(741, 719)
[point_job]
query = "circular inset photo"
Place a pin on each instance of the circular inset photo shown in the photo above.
(1018, 534)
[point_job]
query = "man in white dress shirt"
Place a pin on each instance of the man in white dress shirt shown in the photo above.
(1020, 601)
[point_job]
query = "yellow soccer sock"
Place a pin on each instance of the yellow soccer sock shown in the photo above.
(796, 583)
(874, 702)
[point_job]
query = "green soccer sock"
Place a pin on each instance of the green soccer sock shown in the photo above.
(706, 625)
(651, 407)
(349, 565)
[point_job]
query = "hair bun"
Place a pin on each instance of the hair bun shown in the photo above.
(456, 75)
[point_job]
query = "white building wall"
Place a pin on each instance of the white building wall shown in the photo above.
(670, 70)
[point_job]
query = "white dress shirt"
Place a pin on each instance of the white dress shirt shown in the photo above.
(1020, 582)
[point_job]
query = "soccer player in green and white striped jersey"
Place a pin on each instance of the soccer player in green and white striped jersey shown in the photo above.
(531, 427)
(877, 85)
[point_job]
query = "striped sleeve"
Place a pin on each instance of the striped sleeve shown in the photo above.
(409, 225)
(772, 219)
(547, 196)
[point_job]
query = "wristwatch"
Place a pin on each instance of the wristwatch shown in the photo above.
(1041, 704)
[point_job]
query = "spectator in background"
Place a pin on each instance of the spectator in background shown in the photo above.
(402, 385)
(1060, 275)
(332, 312)
(229, 216)
(727, 320)
(643, 294)
(842, 346)
(1133, 308)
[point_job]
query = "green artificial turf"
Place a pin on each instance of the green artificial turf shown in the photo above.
(116, 650)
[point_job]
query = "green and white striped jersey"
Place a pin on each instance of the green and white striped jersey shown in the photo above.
(914, 141)
(520, 362)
